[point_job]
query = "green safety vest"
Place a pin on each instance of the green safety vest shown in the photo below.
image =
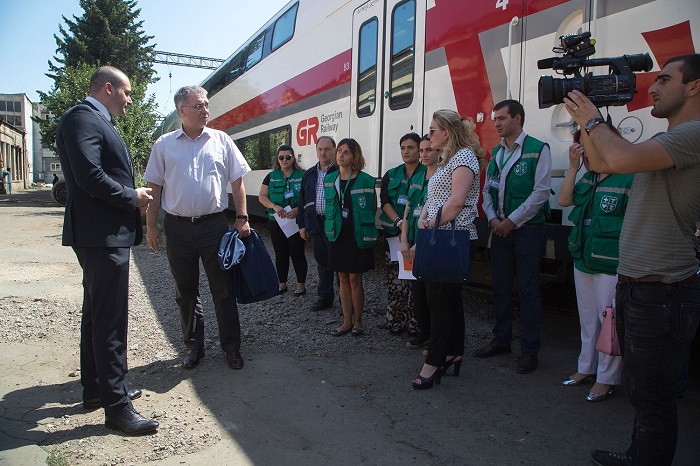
(280, 185)
(520, 180)
(364, 207)
(595, 248)
(400, 185)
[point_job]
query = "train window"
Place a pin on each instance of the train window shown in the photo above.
(260, 149)
(284, 27)
(236, 67)
(255, 50)
(403, 20)
(367, 69)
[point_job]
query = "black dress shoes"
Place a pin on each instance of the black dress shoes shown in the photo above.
(320, 305)
(610, 458)
(234, 359)
(130, 422)
(192, 358)
(492, 349)
(527, 362)
(94, 403)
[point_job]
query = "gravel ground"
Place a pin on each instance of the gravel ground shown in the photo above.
(281, 325)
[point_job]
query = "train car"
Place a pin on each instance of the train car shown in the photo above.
(375, 70)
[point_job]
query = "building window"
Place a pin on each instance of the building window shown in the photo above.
(55, 167)
(367, 69)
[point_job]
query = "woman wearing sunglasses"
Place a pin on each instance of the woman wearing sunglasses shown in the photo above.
(280, 194)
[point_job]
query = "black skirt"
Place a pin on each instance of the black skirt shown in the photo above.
(345, 256)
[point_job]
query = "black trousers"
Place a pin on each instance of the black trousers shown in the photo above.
(284, 249)
(103, 328)
(319, 241)
(186, 244)
(446, 322)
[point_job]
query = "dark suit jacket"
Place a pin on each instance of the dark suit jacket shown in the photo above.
(101, 203)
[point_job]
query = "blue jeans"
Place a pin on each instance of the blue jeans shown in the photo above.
(655, 322)
(517, 254)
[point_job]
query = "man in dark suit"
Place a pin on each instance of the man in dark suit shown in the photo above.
(102, 221)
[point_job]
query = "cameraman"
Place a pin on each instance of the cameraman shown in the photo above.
(658, 291)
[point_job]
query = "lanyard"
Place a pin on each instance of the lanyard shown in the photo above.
(343, 190)
(503, 155)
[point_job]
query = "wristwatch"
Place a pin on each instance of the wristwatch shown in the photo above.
(592, 123)
(398, 224)
(242, 216)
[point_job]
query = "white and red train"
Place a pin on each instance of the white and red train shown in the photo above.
(375, 70)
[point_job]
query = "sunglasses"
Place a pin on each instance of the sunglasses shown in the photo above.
(286, 157)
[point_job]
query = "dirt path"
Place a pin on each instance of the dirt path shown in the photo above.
(303, 398)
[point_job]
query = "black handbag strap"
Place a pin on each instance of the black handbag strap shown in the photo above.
(433, 236)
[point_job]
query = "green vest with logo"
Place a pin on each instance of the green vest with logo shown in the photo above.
(364, 207)
(400, 185)
(520, 180)
(279, 185)
(598, 214)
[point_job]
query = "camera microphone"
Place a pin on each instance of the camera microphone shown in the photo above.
(546, 63)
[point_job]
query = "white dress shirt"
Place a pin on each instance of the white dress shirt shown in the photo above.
(194, 173)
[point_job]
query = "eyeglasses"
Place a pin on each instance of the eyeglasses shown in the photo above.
(286, 157)
(199, 107)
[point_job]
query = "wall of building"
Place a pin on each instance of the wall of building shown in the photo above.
(13, 157)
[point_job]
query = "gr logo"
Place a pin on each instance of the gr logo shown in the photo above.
(306, 132)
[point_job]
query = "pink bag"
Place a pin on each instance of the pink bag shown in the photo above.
(607, 340)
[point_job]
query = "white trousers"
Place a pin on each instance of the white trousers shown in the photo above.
(593, 293)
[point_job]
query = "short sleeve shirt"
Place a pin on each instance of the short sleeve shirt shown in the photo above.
(658, 233)
(440, 189)
(194, 174)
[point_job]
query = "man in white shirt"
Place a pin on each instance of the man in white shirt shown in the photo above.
(188, 171)
(516, 195)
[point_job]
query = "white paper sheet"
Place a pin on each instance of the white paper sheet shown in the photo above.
(394, 248)
(288, 225)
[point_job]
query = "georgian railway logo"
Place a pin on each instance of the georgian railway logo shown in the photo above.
(362, 202)
(608, 203)
(307, 131)
(520, 168)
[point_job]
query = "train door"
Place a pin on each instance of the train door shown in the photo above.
(387, 78)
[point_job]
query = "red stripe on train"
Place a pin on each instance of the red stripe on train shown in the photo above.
(326, 75)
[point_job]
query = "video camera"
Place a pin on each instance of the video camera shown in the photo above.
(616, 88)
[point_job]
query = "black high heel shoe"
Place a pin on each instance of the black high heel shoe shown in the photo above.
(427, 382)
(452, 362)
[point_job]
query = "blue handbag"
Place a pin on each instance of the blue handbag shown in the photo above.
(442, 256)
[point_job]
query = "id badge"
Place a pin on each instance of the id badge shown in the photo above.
(587, 222)
(417, 211)
(402, 200)
(288, 194)
(346, 213)
(494, 183)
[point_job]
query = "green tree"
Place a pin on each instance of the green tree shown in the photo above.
(72, 85)
(108, 33)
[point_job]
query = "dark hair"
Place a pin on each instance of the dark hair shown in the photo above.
(285, 147)
(358, 162)
(690, 67)
(514, 108)
(412, 136)
(426, 138)
(326, 137)
(107, 74)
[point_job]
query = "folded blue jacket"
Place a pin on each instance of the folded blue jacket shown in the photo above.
(254, 278)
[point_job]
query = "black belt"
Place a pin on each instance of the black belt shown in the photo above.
(320, 216)
(199, 219)
(654, 278)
